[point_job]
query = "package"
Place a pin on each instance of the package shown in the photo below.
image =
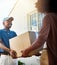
(22, 42)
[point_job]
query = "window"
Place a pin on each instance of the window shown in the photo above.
(35, 21)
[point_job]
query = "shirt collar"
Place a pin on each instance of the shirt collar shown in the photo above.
(6, 29)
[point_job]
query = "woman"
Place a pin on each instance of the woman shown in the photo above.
(48, 32)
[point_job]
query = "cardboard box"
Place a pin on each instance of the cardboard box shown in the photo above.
(22, 42)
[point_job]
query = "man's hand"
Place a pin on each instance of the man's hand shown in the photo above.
(13, 53)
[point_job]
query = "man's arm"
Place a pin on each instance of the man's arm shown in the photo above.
(4, 47)
(12, 52)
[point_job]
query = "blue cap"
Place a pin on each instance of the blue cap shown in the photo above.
(8, 18)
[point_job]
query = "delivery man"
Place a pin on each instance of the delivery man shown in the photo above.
(5, 35)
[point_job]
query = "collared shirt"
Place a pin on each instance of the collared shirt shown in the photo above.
(5, 35)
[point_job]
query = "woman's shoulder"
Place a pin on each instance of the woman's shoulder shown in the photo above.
(47, 17)
(51, 14)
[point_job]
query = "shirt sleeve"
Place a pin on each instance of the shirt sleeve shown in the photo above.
(44, 32)
(14, 34)
(0, 36)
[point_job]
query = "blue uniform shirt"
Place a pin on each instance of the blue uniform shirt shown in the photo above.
(5, 35)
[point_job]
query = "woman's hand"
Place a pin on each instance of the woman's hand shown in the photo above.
(25, 53)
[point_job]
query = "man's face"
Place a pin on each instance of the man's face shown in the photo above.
(7, 24)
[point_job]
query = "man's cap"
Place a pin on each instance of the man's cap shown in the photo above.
(8, 19)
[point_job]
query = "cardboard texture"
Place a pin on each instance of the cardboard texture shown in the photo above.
(22, 42)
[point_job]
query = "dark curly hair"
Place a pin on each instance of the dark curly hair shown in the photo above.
(52, 6)
(47, 5)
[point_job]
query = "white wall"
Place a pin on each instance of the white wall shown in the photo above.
(19, 13)
(5, 8)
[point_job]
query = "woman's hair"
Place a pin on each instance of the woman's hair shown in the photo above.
(52, 6)
(47, 6)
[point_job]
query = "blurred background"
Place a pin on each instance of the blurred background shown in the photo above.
(26, 17)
